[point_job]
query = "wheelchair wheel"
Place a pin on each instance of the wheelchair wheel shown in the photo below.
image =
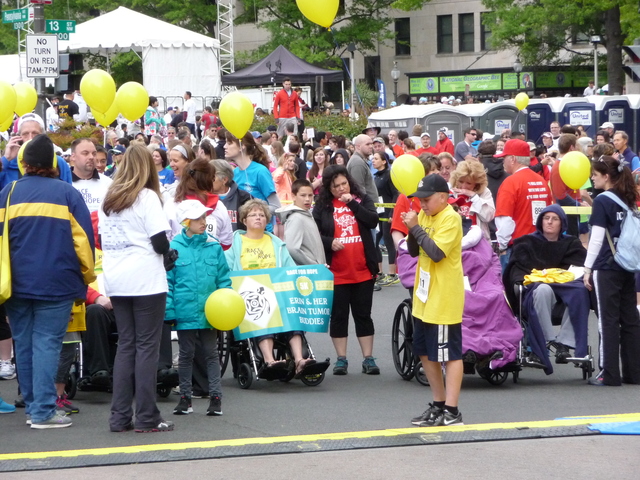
(245, 376)
(313, 380)
(223, 351)
(496, 377)
(418, 372)
(163, 391)
(71, 387)
(402, 340)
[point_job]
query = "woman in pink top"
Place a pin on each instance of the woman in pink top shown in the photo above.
(284, 175)
(320, 162)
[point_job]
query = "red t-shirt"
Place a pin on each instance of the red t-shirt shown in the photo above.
(348, 265)
(522, 196)
(558, 188)
(464, 208)
(403, 205)
(422, 150)
(208, 119)
(397, 150)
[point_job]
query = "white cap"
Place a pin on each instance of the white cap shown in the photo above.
(607, 125)
(191, 210)
(31, 117)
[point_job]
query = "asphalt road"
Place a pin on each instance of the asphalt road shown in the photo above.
(354, 402)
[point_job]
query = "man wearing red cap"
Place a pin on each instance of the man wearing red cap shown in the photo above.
(521, 197)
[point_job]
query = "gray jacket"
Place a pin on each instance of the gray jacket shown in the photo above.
(361, 173)
(302, 236)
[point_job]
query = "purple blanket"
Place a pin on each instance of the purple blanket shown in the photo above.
(488, 325)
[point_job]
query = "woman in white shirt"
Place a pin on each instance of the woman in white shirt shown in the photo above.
(133, 226)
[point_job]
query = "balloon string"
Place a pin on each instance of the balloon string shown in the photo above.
(346, 67)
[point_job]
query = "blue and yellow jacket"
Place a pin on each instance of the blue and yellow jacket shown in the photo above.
(50, 239)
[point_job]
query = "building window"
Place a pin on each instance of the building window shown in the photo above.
(485, 34)
(465, 31)
(445, 34)
(403, 36)
(579, 38)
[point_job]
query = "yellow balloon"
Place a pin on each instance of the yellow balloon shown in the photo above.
(236, 113)
(98, 89)
(26, 98)
(4, 125)
(225, 309)
(575, 169)
(106, 119)
(522, 100)
(322, 12)
(8, 99)
(406, 173)
(132, 100)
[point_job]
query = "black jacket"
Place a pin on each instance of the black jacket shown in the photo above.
(367, 218)
(233, 200)
(386, 189)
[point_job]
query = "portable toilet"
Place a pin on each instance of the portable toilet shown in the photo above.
(403, 117)
(440, 116)
(634, 104)
(539, 116)
(617, 110)
(576, 111)
(494, 118)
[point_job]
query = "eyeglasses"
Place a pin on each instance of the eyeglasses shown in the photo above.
(473, 134)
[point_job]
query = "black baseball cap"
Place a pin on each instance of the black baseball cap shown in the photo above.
(429, 185)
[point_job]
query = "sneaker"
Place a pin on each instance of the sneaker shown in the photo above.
(369, 366)
(390, 280)
(28, 422)
(7, 370)
(127, 428)
(562, 353)
(431, 412)
(382, 279)
(340, 368)
(451, 419)
(19, 403)
(215, 407)
(184, 406)
(59, 420)
(163, 426)
(64, 404)
(6, 407)
(597, 381)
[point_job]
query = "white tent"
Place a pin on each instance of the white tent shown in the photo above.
(174, 59)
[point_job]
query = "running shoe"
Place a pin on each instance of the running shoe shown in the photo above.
(7, 370)
(341, 366)
(59, 420)
(431, 411)
(369, 366)
(184, 406)
(215, 407)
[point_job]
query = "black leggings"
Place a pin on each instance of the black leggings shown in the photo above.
(385, 230)
(358, 296)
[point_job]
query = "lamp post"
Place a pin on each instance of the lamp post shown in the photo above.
(395, 74)
(517, 67)
(595, 39)
(352, 101)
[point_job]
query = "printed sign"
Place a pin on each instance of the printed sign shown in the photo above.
(580, 117)
(284, 299)
(501, 126)
(42, 56)
(510, 80)
(425, 85)
(616, 115)
(489, 81)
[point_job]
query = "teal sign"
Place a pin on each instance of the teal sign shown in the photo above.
(284, 299)
(20, 15)
(510, 80)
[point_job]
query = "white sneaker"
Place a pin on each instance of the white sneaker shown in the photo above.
(59, 420)
(7, 370)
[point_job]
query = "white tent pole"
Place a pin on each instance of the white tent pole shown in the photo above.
(342, 88)
(108, 62)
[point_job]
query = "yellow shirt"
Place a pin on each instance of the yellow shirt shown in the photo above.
(257, 254)
(442, 281)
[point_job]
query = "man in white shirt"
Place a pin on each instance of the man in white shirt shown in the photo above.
(190, 107)
(590, 90)
(86, 179)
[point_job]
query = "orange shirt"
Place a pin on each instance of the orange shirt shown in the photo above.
(403, 205)
(558, 187)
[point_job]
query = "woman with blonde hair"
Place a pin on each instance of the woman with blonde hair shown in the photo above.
(277, 151)
(284, 176)
(133, 229)
(469, 184)
(320, 162)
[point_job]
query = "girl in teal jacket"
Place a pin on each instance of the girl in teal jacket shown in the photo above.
(200, 270)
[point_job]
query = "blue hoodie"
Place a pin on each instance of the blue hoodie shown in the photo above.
(11, 173)
(557, 209)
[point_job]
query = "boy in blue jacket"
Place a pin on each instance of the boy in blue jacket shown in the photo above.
(201, 269)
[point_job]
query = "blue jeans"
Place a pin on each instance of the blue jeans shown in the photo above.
(38, 328)
(504, 259)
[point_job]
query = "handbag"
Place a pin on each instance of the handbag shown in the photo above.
(5, 255)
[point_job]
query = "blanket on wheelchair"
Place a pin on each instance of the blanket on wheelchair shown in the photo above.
(488, 324)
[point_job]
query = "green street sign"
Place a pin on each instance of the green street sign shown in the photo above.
(60, 26)
(15, 16)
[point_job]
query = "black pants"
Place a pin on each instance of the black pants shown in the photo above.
(385, 232)
(358, 296)
(99, 344)
(618, 325)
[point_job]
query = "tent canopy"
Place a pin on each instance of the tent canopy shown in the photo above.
(174, 59)
(276, 66)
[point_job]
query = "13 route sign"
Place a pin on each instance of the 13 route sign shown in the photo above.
(42, 56)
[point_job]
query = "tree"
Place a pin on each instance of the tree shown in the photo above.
(541, 31)
(363, 22)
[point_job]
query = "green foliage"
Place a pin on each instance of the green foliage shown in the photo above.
(367, 98)
(68, 132)
(336, 124)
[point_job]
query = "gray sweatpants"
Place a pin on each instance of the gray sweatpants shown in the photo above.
(543, 301)
(187, 341)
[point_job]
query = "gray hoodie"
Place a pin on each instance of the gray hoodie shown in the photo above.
(302, 236)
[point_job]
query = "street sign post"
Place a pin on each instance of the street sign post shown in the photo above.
(42, 56)
(62, 28)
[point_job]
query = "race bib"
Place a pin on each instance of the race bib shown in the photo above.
(422, 292)
(536, 207)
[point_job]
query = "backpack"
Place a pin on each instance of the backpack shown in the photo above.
(626, 253)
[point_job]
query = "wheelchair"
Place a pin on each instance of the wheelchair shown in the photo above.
(409, 365)
(249, 366)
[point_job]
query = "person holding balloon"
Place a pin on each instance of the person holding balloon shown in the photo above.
(201, 269)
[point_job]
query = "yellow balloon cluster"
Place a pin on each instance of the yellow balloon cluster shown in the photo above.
(8, 99)
(406, 173)
(225, 309)
(107, 118)
(575, 169)
(322, 12)
(26, 98)
(132, 100)
(98, 89)
(236, 113)
(522, 100)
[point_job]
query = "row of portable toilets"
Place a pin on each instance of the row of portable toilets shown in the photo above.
(590, 112)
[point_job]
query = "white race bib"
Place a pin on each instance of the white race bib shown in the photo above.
(422, 292)
(536, 207)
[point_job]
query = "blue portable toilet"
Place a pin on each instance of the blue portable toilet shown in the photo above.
(539, 118)
(617, 110)
(634, 104)
(577, 111)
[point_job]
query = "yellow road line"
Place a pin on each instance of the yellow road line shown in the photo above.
(564, 422)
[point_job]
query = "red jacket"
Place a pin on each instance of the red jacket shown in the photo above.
(444, 146)
(286, 106)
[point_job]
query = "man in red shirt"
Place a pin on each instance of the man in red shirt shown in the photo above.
(208, 118)
(444, 144)
(286, 107)
(395, 146)
(425, 141)
(521, 197)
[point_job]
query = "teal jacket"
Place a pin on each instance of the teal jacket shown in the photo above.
(200, 270)
(283, 259)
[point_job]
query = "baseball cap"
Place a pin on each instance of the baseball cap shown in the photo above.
(607, 125)
(256, 134)
(191, 210)
(378, 140)
(117, 150)
(425, 134)
(444, 130)
(422, 100)
(34, 117)
(532, 146)
(394, 104)
(516, 147)
(170, 109)
(547, 134)
(429, 185)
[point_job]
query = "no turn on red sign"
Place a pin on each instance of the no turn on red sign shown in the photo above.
(42, 56)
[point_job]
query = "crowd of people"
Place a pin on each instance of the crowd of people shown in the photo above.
(184, 207)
